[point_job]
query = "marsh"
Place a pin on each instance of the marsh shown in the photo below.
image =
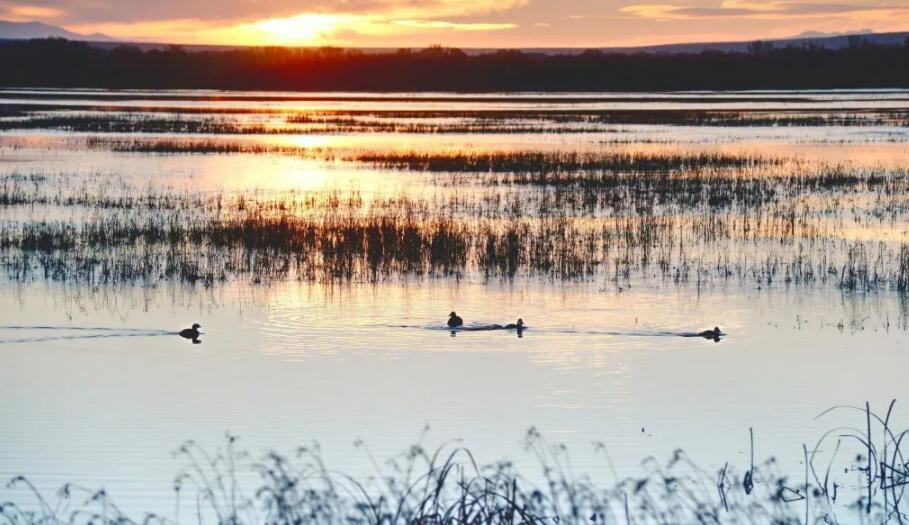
(321, 243)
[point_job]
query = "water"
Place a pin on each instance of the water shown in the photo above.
(99, 390)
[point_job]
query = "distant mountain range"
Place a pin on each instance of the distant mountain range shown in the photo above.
(822, 34)
(813, 38)
(29, 30)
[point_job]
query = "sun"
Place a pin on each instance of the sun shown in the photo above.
(295, 30)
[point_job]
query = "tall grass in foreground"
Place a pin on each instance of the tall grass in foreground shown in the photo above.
(851, 475)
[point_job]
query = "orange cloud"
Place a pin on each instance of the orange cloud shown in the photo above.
(653, 11)
(770, 10)
(317, 27)
(469, 23)
(305, 29)
(456, 26)
(24, 12)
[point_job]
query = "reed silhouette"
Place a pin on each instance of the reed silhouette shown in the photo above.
(855, 474)
(181, 121)
(748, 224)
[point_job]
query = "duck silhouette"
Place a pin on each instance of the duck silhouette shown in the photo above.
(454, 321)
(516, 326)
(192, 333)
(712, 334)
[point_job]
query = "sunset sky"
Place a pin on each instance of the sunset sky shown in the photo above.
(463, 23)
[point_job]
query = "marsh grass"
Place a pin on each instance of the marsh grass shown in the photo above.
(133, 124)
(453, 161)
(695, 219)
(345, 237)
(555, 162)
(749, 118)
(687, 218)
(851, 475)
(243, 120)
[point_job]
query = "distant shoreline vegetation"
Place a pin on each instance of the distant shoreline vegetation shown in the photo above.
(63, 63)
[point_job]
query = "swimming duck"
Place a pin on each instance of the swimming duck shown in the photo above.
(711, 334)
(515, 326)
(191, 333)
(454, 321)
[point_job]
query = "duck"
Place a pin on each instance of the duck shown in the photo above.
(712, 334)
(516, 326)
(454, 320)
(191, 333)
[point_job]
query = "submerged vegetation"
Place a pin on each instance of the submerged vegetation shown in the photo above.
(851, 474)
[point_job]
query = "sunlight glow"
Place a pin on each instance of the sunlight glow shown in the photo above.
(477, 23)
(442, 24)
(301, 29)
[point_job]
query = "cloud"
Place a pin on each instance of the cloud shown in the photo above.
(26, 12)
(303, 29)
(456, 26)
(771, 10)
(491, 23)
(272, 22)
(119, 11)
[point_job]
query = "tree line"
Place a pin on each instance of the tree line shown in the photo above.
(63, 63)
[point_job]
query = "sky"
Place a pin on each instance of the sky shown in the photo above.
(459, 23)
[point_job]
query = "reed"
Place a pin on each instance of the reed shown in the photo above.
(242, 119)
(150, 238)
(673, 216)
(549, 162)
(854, 474)
(478, 162)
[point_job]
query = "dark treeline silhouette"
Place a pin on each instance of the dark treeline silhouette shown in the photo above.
(61, 63)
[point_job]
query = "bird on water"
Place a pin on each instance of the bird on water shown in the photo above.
(191, 333)
(454, 320)
(516, 326)
(712, 334)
